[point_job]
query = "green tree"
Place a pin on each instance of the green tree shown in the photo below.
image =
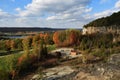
(26, 46)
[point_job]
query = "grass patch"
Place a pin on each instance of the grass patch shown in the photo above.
(3, 52)
(51, 47)
(105, 52)
(7, 65)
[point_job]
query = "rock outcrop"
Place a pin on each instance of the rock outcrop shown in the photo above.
(56, 73)
(92, 29)
(109, 70)
(101, 71)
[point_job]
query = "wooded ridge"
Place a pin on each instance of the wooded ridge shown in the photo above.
(108, 21)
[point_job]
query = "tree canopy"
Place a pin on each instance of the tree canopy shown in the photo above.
(66, 38)
(114, 19)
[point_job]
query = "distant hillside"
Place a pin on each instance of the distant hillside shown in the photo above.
(24, 29)
(114, 19)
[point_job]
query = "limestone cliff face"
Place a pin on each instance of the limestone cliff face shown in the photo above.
(91, 29)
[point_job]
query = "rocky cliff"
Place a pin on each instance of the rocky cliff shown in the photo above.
(111, 29)
(105, 24)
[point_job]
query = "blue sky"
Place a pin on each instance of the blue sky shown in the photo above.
(54, 13)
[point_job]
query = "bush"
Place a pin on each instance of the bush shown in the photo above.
(96, 41)
(8, 68)
(103, 53)
(51, 47)
(4, 75)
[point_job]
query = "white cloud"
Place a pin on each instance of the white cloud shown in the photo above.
(117, 5)
(108, 12)
(18, 9)
(55, 12)
(59, 17)
(88, 9)
(3, 14)
(103, 1)
(40, 7)
(13, 0)
(71, 15)
(104, 13)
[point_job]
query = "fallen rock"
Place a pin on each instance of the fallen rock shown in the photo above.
(36, 77)
(87, 76)
(56, 73)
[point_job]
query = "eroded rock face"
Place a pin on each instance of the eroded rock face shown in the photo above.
(87, 76)
(99, 71)
(103, 29)
(102, 71)
(115, 59)
(57, 73)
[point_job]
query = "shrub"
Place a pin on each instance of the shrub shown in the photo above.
(96, 41)
(103, 53)
(51, 47)
(8, 67)
(4, 75)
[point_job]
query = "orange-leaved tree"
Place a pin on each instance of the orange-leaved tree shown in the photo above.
(66, 37)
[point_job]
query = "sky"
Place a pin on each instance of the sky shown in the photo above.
(54, 13)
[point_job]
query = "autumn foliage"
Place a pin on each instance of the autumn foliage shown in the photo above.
(56, 37)
(66, 38)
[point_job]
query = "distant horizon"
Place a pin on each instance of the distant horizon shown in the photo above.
(54, 13)
(40, 27)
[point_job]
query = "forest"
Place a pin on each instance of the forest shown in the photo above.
(23, 55)
(108, 21)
